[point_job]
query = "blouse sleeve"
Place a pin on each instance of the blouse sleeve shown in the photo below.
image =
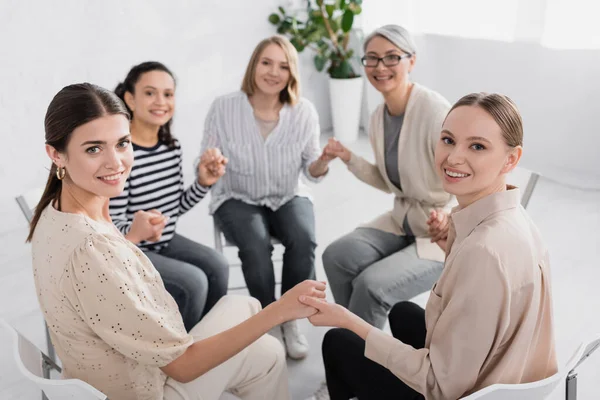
(123, 300)
(312, 149)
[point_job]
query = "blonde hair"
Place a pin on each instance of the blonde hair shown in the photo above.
(291, 93)
(502, 109)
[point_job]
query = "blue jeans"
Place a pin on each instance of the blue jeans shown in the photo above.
(195, 275)
(371, 270)
(250, 228)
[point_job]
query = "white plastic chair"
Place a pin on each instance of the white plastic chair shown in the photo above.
(32, 363)
(541, 389)
(27, 202)
(221, 243)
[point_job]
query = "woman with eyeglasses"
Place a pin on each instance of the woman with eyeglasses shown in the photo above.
(393, 258)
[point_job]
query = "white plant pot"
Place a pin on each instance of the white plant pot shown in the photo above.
(346, 102)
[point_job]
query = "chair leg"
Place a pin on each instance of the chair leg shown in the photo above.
(51, 352)
(571, 391)
(529, 189)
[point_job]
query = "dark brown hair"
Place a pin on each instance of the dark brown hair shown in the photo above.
(128, 85)
(502, 109)
(73, 106)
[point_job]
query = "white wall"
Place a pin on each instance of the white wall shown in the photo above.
(46, 45)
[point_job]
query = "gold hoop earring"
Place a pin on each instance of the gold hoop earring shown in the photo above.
(60, 173)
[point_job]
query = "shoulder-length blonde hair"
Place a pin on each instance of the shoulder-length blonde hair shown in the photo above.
(291, 93)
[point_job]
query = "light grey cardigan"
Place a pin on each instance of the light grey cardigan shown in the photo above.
(421, 186)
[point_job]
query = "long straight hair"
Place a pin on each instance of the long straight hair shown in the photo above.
(73, 106)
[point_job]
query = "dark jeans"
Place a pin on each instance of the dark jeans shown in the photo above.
(350, 374)
(250, 228)
(195, 275)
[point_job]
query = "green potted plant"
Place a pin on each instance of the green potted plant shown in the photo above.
(324, 27)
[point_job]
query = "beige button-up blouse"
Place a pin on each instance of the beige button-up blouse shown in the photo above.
(489, 316)
(111, 320)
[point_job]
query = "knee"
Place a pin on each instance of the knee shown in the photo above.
(193, 280)
(218, 261)
(335, 342)
(275, 351)
(333, 257)
(369, 288)
(400, 311)
(246, 305)
(302, 240)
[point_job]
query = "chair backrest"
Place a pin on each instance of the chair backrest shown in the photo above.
(539, 389)
(28, 201)
(29, 360)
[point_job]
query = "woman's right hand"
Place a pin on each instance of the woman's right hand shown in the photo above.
(146, 225)
(289, 308)
(335, 149)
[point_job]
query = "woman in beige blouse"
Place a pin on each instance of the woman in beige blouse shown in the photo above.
(489, 316)
(111, 320)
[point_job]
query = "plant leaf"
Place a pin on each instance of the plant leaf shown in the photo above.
(347, 20)
(330, 8)
(342, 70)
(298, 44)
(274, 19)
(320, 62)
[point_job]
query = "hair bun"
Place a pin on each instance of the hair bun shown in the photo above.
(120, 89)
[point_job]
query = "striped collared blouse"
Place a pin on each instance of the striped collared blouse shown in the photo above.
(261, 171)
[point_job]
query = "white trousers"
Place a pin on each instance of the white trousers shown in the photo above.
(258, 372)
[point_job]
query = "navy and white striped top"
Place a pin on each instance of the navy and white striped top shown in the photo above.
(155, 182)
(261, 171)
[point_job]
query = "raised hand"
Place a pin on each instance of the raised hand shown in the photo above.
(211, 167)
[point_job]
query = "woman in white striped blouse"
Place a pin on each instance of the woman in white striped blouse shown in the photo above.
(154, 197)
(269, 135)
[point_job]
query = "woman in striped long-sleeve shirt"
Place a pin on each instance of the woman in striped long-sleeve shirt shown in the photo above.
(270, 135)
(155, 196)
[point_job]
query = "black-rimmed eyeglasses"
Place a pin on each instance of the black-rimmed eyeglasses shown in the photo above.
(388, 61)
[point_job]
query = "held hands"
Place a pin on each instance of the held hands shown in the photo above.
(331, 314)
(288, 306)
(328, 314)
(335, 149)
(147, 225)
(439, 223)
(211, 167)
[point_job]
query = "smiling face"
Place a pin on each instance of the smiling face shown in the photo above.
(98, 157)
(153, 100)
(272, 72)
(387, 79)
(472, 156)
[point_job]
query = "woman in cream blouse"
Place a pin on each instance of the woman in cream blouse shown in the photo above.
(489, 316)
(270, 135)
(392, 258)
(111, 320)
